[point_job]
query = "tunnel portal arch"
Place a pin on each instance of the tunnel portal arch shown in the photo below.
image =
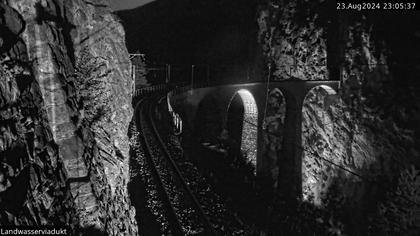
(318, 142)
(242, 124)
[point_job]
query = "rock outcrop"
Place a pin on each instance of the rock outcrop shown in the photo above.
(76, 83)
(293, 39)
(34, 186)
(355, 141)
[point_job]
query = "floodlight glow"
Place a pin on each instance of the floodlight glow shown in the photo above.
(249, 128)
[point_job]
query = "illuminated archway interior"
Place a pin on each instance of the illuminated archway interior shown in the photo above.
(242, 124)
(319, 144)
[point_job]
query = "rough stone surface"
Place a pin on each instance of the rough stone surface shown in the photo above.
(33, 187)
(292, 40)
(355, 142)
(83, 146)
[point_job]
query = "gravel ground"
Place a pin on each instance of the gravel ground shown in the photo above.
(139, 169)
(180, 201)
(225, 222)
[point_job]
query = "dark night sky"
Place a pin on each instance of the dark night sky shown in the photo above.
(127, 4)
(192, 31)
(221, 34)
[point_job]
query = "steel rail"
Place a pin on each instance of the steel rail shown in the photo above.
(175, 225)
(205, 220)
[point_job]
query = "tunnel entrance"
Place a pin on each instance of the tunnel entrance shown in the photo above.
(319, 143)
(241, 125)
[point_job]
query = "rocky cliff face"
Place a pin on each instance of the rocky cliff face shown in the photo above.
(66, 81)
(293, 39)
(355, 141)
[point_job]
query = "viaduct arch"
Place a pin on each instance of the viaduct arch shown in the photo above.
(193, 103)
(242, 122)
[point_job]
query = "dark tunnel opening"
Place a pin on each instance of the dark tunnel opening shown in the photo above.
(234, 124)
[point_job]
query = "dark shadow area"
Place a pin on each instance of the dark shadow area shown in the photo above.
(11, 25)
(340, 215)
(15, 196)
(208, 123)
(14, 184)
(234, 123)
(146, 221)
(92, 231)
(233, 179)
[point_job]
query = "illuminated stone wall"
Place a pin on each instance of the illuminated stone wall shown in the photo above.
(249, 127)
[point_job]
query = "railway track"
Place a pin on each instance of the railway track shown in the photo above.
(183, 211)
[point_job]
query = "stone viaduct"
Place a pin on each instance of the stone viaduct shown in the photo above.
(190, 102)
